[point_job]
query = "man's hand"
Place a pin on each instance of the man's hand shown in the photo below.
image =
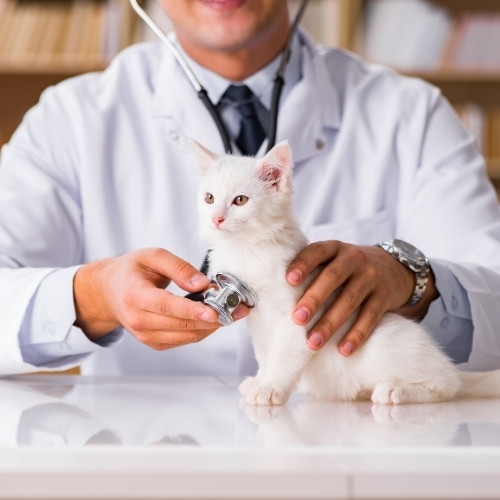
(367, 278)
(129, 291)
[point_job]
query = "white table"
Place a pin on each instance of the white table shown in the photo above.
(81, 438)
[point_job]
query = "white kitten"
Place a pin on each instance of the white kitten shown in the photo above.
(246, 214)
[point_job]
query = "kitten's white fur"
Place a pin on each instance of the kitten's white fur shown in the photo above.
(256, 241)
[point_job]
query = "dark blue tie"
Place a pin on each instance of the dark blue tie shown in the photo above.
(251, 132)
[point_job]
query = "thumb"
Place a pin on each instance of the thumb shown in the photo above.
(182, 273)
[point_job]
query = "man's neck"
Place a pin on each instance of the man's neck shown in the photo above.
(238, 64)
(234, 66)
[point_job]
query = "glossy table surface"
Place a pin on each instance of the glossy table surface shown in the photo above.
(153, 437)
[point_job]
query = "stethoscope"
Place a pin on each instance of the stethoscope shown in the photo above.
(229, 291)
(279, 79)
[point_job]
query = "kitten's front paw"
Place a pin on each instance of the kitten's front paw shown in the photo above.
(247, 385)
(388, 394)
(264, 395)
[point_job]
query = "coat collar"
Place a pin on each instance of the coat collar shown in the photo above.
(309, 111)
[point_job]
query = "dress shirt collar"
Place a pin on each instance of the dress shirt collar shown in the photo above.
(260, 83)
(309, 109)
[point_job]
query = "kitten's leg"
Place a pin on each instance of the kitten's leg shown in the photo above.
(388, 393)
(246, 386)
(285, 360)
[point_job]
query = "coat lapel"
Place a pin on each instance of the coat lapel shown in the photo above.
(312, 108)
(176, 102)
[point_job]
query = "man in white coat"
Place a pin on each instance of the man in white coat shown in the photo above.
(98, 242)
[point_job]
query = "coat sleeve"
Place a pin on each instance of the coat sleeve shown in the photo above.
(450, 210)
(40, 240)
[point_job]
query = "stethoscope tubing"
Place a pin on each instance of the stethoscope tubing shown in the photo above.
(278, 84)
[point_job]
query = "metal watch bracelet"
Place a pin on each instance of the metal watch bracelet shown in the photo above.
(412, 258)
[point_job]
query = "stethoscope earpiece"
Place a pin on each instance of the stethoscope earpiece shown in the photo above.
(231, 292)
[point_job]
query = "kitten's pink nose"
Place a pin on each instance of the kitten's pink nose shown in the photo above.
(218, 221)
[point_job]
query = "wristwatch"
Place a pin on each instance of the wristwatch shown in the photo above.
(413, 259)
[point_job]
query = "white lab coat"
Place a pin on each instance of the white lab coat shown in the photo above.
(100, 167)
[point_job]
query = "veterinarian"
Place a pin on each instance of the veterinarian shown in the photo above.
(98, 244)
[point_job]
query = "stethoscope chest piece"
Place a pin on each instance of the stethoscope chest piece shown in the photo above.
(231, 292)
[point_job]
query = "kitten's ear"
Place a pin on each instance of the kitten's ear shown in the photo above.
(204, 156)
(276, 166)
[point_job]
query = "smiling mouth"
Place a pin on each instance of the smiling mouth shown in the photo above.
(223, 4)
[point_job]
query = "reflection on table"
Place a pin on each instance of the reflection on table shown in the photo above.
(207, 412)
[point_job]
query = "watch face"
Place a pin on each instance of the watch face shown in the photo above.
(414, 255)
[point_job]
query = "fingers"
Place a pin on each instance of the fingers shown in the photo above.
(320, 291)
(164, 332)
(349, 271)
(358, 332)
(162, 320)
(309, 259)
(162, 302)
(345, 305)
(368, 318)
(164, 342)
(322, 287)
(351, 287)
(169, 265)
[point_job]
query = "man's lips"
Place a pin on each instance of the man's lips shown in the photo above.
(223, 4)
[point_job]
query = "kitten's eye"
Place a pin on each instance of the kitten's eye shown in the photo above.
(209, 198)
(240, 200)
